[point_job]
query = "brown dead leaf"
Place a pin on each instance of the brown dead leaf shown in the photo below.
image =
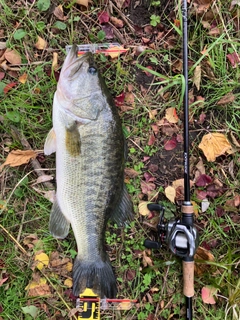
(202, 254)
(23, 78)
(147, 261)
(117, 22)
(214, 145)
(152, 114)
(58, 12)
(197, 77)
(228, 98)
(30, 240)
(83, 2)
(171, 115)
(18, 157)
(41, 44)
(12, 56)
(131, 173)
(38, 288)
(55, 61)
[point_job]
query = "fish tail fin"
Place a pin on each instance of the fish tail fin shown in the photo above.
(96, 275)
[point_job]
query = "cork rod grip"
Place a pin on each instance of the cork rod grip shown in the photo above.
(188, 278)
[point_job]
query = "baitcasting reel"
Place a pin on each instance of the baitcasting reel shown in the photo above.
(180, 235)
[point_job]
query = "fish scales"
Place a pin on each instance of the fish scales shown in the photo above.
(89, 143)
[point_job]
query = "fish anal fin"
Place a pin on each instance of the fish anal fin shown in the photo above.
(50, 143)
(58, 224)
(123, 212)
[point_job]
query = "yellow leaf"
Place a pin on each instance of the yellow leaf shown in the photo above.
(41, 44)
(195, 208)
(23, 78)
(142, 208)
(69, 266)
(42, 259)
(214, 145)
(197, 77)
(171, 115)
(170, 193)
(18, 157)
(115, 52)
(68, 283)
(33, 284)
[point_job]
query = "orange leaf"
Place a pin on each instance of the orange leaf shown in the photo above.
(18, 157)
(171, 115)
(23, 78)
(9, 86)
(214, 145)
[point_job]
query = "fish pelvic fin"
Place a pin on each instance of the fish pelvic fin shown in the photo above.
(50, 143)
(96, 275)
(123, 212)
(58, 224)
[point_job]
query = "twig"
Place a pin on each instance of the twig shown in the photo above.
(123, 17)
(35, 163)
(13, 239)
(23, 216)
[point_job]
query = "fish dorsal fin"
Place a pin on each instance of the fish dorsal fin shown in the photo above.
(50, 143)
(123, 212)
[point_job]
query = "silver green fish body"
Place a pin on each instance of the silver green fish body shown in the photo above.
(89, 143)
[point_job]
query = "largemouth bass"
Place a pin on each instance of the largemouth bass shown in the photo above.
(90, 151)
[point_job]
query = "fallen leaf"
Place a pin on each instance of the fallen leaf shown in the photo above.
(234, 59)
(43, 178)
(42, 259)
(83, 2)
(38, 288)
(12, 56)
(171, 115)
(148, 74)
(129, 98)
(170, 193)
(205, 205)
(151, 140)
(58, 12)
(202, 254)
(18, 157)
(131, 173)
(119, 100)
(117, 22)
(32, 310)
(23, 78)
(208, 294)
(2, 75)
(148, 177)
(68, 283)
(197, 77)
(152, 114)
(147, 187)
(116, 51)
(170, 144)
(147, 261)
(55, 61)
(203, 180)
(143, 209)
(41, 44)
(103, 17)
(214, 145)
(9, 86)
(228, 98)
(30, 240)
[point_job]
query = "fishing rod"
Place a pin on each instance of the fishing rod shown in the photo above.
(181, 235)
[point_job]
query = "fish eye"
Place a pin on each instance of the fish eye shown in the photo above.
(92, 70)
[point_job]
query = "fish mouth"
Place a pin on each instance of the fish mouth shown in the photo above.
(75, 63)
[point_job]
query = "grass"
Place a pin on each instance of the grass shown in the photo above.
(154, 278)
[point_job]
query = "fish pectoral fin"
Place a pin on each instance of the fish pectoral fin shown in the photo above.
(50, 143)
(123, 212)
(58, 224)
